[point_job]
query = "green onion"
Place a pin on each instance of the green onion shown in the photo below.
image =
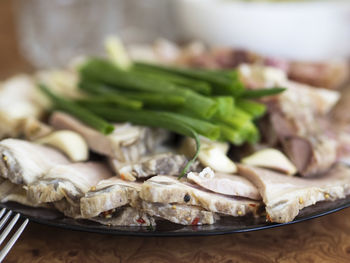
(203, 107)
(174, 95)
(241, 114)
(222, 85)
(258, 93)
(102, 94)
(231, 135)
(103, 71)
(93, 87)
(82, 114)
(201, 87)
(253, 135)
(226, 105)
(242, 122)
(114, 99)
(152, 100)
(236, 120)
(187, 101)
(167, 120)
(255, 109)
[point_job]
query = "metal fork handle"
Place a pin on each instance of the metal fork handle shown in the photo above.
(4, 218)
(13, 240)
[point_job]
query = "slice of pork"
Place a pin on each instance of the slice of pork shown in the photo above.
(126, 144)
(343, 140)
(109, 194)
(309, 144)
(226, 184)
(6, 187)
(308, 98)
(180, 214)
(164, 163)
(340, 113)
(166, 189)
(10, 192)
(24, 162)
(125, 216)
(300, 109)
(330, 74)
(68, 208)
(285, 196)
(311, 155)
(297, 116)
(114, 194)
(70, 181)
(296, 110)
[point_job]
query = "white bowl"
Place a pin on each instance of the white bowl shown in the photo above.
(307, 30)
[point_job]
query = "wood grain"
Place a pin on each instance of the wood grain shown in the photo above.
(326, 239)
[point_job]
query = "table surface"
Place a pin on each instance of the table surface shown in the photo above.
(325, 239)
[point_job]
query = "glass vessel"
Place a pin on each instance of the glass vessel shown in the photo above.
(53, 32)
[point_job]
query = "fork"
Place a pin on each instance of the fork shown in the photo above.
(7, 230)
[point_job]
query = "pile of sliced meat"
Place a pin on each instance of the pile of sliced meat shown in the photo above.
(38, 175)
(135, 179)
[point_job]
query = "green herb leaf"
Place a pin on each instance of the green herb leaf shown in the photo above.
(82, 114)
(258, 93)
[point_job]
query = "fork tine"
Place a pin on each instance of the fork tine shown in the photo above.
(13, 240)
(2, 212)
(8, 228)
(4, 220)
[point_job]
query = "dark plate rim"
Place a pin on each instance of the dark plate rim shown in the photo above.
(148, 233)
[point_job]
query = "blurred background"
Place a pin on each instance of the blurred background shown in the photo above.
(42, 33)
(11, 60)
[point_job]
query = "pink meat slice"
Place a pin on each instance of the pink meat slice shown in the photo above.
(285, 196)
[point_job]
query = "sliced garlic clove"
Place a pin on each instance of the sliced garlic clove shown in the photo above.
(70, 143)
(272, 159)
(221, 146)
(216, 159)
(117, 53)
(188, 146)
(212, 154)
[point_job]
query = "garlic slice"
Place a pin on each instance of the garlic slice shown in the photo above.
(188, 146)
(272, 159)
(117, 53)
(212, 154)
(70, 143)
(216, 159)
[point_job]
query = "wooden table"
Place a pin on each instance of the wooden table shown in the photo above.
(326, 239)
